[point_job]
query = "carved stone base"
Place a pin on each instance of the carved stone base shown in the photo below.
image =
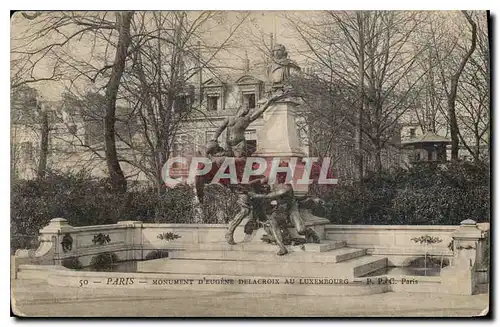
(290, 237)
(315, 222)
(279, 136)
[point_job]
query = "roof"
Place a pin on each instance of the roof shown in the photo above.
(257, 72)
(428, 137)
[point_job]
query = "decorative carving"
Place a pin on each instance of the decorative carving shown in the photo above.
(67, 243)
(168, 236)
(101, 239)
(426, 239)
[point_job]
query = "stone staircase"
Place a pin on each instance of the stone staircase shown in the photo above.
(329, 268)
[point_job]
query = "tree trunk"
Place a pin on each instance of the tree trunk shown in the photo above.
(44, 146)
(117, 178)
(378, 157)
(361, 71)
(452, 95)
(453, 125)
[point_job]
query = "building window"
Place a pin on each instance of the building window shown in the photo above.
(212, 103)
(412, 132)
(181, 103)
(415, 156)
(93, 133)
(249, 100)
(175, 149)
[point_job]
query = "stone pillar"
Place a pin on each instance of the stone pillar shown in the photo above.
(50, 248)
(461, 277)
(54, 232)
(132, 238)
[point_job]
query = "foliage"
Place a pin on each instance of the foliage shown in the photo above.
(84, 201)
(72, 263)
(429, 261)
(173, 205)
(219, 204)
(426, 240)
(103, 261)
(424, 194)
(156, 254)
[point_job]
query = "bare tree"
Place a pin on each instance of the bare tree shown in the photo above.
(118, 181)
(358, 138)
(161, 84)
(167, 53)
(48, 37)
(450, 76)
(372, 54)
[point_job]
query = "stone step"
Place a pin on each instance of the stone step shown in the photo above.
(365, 265)
(265, 247)
(35, 271)
(212, 283)
(336, 255)
(348, 269)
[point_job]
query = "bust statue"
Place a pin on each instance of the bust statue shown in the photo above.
(280, 66)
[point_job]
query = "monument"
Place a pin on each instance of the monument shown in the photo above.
(278, 138)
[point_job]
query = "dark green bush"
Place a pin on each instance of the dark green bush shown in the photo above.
(103, 261)
(72, 263)
(84, 201)
(174, 205)
(424, 194)
(156, 254)
(219, 204)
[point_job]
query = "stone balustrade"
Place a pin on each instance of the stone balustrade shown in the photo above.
(465, 246)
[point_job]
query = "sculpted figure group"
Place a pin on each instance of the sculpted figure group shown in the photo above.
(274, 206)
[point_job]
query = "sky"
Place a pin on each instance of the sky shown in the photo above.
(258, 24)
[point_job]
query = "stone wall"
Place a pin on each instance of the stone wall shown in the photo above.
(133, 240)
(394, 241)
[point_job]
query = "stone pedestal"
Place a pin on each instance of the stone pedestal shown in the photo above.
(50, 246)
(466, 249)
(461, 277)
(278, 136)
(458, 280)
(315, 222)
